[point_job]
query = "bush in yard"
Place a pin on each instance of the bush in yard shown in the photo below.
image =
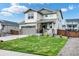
(1, 40)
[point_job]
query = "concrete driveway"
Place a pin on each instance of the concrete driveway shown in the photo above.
(71, 48)
(11, 37)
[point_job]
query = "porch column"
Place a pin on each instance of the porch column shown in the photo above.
(54, 26)
(38, 27)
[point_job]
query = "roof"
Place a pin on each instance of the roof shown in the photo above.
(9, 23)
(29, 10)
(42, 11)
(72, 20)
(46, 11)
(46, 20)
(22, 22)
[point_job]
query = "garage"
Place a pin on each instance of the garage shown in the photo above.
(27, 30)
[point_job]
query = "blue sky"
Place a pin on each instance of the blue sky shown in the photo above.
(14, 11)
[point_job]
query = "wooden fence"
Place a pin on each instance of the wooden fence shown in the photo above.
(68, 33)
(14, 32)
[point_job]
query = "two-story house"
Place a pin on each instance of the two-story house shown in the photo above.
(41, 21)
(71, 24)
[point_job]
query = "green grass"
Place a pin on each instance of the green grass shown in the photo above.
(42, 45)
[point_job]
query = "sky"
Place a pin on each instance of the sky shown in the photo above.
(15, 11)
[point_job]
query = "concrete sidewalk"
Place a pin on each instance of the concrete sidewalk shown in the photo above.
(11, 37)
(13, 53)
(71, 48)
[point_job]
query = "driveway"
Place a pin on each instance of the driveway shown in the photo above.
(11, 37)
(71, 48)
(12, 53)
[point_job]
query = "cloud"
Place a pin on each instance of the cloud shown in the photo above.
(14, 4)
(15, 8)
(64, 9)
(71, 7)
(6, 13)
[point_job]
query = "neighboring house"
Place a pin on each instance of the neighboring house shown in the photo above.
(41, 21)
(7, 26)
(71, 24)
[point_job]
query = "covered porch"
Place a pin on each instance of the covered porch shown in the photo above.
(45, 27)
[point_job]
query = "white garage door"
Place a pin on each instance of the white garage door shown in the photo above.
(26, 30)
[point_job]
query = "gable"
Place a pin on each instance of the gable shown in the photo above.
(29, 10)
(46, 11)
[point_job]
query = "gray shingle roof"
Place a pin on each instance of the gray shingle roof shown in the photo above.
(9, 23)
(72, 20)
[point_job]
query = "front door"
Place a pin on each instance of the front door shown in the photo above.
(45, 27)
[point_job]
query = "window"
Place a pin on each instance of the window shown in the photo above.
(30, 16)
(46, 15)
(74, 26)
(69, 25)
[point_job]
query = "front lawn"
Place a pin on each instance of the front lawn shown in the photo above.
(42, 45)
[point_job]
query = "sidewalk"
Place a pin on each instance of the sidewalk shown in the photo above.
(11, 37)
(13, 53)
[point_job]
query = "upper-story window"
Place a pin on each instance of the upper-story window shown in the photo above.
(30, 16)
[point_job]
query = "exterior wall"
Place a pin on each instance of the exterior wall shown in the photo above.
(8, 28)
(39, 16)
(78, 26)
(56, 26)
(31, 20)
(0, 27)
(60, 20)
(58, 23)
(50, 16)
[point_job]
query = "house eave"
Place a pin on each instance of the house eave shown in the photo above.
(46, 20)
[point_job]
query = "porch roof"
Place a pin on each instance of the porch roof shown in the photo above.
(46, 20)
